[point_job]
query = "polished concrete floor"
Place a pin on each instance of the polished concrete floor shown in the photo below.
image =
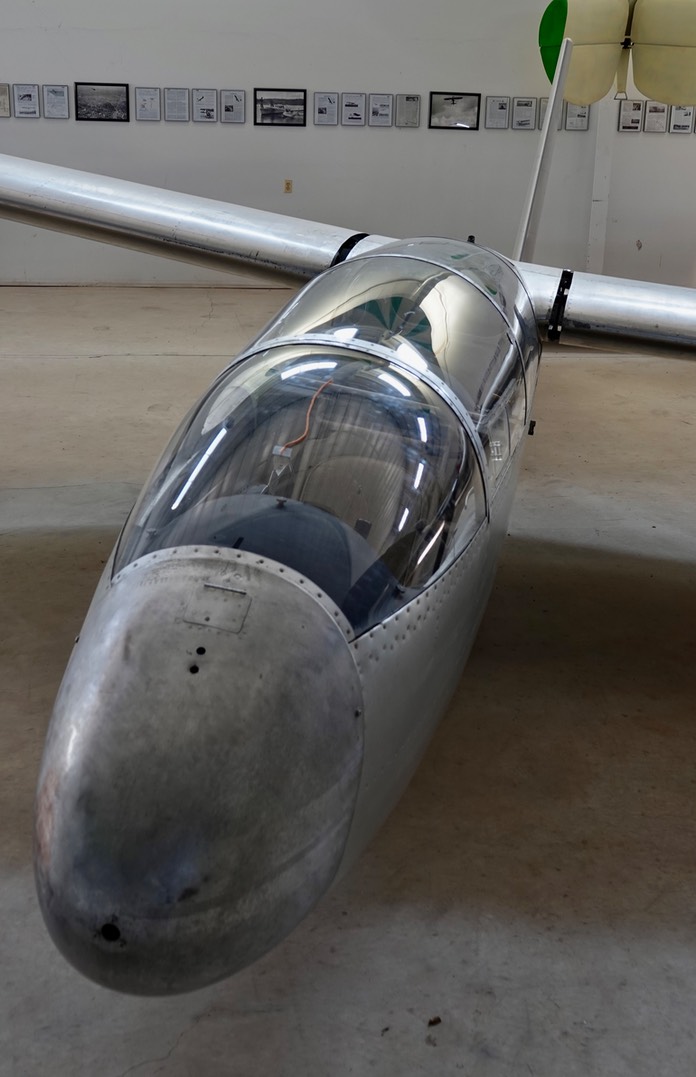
(529, 910)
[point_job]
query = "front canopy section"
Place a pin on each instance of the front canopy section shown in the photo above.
(337, 463)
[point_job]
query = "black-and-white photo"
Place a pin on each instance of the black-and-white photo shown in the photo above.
(457, 110)
(102, 101)
(280, 108)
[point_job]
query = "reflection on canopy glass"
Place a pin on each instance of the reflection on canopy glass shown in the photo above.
(448, 317)
(342, 466)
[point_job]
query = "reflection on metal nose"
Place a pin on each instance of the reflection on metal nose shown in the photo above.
(195, 798)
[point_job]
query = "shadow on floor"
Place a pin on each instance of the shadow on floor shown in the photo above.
(46, 584)
(562, 783)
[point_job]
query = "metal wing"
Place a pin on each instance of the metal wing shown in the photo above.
(579, 308)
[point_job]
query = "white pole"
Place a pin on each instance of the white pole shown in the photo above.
(529, 225)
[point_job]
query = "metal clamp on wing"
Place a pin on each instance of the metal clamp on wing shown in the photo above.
(559, 306)
(345, 249)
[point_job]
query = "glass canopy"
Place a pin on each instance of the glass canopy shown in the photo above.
(339, 464)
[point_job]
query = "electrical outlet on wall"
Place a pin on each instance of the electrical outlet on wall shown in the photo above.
(287, 186)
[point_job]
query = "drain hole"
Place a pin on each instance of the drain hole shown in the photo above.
(110, 933)
(193, 669)
(200, 650)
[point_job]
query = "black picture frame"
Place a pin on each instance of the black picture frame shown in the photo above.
(275, 107)
(454, 111)
(103, 101)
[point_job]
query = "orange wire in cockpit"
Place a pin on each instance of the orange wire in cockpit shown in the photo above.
(297, 441)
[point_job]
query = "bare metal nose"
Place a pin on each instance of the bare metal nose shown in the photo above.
(200, 773)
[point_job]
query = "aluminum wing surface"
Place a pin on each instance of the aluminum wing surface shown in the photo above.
(588, 309)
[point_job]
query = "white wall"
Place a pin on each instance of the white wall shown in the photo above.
(651, 227)
(391, 181)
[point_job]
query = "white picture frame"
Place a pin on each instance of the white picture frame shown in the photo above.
(353, 109)
(148, 103)
(577, 117)
(681, 119)
(380, 110)
(204, 108)
(656, 117)
(497, 115)
(177, 104)
(56, 101)
(326, 108)
(407, 111)
(25, 100)
(543, 105)
(524, 112)
(631, 115)
(232, 106)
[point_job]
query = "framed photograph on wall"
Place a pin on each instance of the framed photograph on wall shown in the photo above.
(232, 106)
(205, 105)
(681, 120)
(655, 119)
(325, 107)
(458, 111)
(543, 105)
(147, 103)
(102, 101)
(631, 115)
(524, 113)
(380, 110)
(408, 109)
(280, 108)
(177, 104)
(4, 100)
(56, 102)
(353, 109)
(25, 99)
(577, 117)
(497, 113)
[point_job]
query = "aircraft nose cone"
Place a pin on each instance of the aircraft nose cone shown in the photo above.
(200, 773)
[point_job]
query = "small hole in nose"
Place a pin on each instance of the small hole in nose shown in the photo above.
(193, 669)
(200, 650)
(110, 933)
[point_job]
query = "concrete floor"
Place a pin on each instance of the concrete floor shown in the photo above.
(534, 890)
